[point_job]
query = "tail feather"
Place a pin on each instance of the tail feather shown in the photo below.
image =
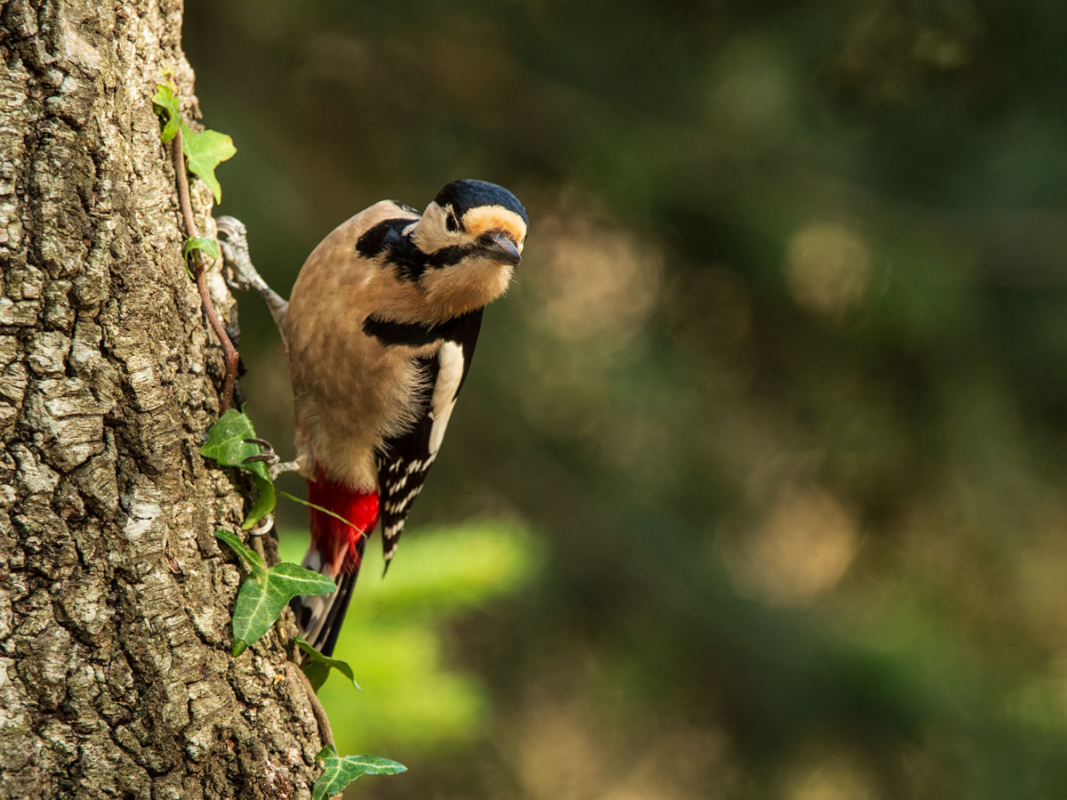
(320, 617)
(336, 551)
(335, 617)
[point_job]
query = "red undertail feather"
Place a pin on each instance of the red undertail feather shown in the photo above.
(340, 544)
(336, 551)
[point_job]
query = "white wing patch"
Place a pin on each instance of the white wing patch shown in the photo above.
(449, 376)
(407, 458)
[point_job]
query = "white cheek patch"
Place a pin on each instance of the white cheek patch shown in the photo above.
(449, 376)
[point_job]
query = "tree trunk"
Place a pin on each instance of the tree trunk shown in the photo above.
(115, 673)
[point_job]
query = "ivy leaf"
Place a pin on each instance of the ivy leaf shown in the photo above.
(266, 592)
(318, 666)
(204, 244)
(203, 152)
(338, 772)
(263, 596)
(165, 103)
(226, 444)
(251, 557)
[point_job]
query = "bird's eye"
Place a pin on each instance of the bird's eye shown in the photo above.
(451, 223)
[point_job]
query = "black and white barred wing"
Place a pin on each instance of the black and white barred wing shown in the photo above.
(404, 464)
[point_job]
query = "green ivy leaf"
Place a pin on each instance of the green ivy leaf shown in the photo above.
(203, 152)
(204, 244)
(265, 594)
(165, 103)
(251, 557)
(317, 667)
(338, 772)
(226, 444)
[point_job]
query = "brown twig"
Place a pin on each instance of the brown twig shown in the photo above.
(178, 157)
(229, 351)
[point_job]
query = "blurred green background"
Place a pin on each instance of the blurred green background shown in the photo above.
(757, 488)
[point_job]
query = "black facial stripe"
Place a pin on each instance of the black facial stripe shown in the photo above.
(409, 334)
(449, 256)
(386, 238)
(384, 234)
(415, 334)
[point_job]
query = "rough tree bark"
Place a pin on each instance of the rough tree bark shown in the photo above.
(115, 673)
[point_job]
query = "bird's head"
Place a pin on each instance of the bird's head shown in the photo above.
(472, 234)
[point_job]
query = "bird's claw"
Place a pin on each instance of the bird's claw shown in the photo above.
(263, 526)
(275, 466)
(240, 273)
(233, 242)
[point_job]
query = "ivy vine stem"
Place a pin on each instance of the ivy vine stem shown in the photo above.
(229, 351)
(325, 731)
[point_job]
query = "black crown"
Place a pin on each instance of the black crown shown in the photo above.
(467, 194)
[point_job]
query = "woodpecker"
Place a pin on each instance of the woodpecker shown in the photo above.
(380, 329)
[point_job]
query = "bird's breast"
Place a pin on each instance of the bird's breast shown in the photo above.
(351, 392)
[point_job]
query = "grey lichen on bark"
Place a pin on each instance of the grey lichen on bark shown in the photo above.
(115, 673)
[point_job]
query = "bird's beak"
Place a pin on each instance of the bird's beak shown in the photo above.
(499, 247)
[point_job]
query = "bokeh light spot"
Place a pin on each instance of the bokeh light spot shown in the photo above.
(800, 547)
(834, 778)
(594, 281)
(827, 268)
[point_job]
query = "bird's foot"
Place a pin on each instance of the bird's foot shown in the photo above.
(239, 272)
(233, 241)
(275, 466)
